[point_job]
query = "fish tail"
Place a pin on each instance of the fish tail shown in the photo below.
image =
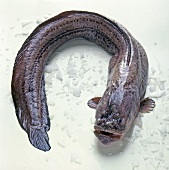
(38, 137)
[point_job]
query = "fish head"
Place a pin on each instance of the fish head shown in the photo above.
(113, 122)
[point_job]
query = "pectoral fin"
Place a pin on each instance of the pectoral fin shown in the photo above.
(92, 103)
(146, 105)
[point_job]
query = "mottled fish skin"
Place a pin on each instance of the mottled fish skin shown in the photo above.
(126, 81)
(124, 97)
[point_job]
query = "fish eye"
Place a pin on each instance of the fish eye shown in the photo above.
(119, 121)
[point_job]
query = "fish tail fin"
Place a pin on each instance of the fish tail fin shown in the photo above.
(38, 137)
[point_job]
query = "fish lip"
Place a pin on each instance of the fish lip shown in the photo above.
(107, 137)
(107, 133)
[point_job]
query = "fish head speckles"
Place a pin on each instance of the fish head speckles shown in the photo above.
(110, 126)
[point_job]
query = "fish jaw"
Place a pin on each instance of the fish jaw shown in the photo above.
(106, 137)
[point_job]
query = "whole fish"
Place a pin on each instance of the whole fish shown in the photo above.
(127, 76)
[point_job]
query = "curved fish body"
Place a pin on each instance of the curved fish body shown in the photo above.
(127, 77)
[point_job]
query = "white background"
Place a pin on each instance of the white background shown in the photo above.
(73, 143)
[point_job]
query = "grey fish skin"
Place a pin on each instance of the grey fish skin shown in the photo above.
(127, 77)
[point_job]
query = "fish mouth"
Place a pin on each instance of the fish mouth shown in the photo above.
(107, 137)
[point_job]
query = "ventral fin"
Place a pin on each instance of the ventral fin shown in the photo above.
(92, 103)
(146, 105)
